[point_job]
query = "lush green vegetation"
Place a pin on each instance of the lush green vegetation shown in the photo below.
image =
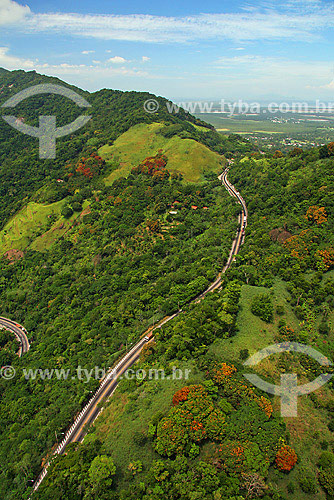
(100, 262)
(96, 289)
(284, 276)
(113, 113)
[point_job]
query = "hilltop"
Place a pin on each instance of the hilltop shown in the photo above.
(113, 114)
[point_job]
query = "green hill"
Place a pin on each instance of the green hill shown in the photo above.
(185, 156)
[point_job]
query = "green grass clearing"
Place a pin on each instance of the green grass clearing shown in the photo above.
(27, 224)
(253, 333)
(57, 230)
(30, 227)
(125, 416)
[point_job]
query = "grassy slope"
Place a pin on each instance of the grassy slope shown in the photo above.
(57, 230)
(184, 155)
(20, 230)
(28, 227)
(253, 333)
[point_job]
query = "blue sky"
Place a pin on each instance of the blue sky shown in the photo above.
(181, 50)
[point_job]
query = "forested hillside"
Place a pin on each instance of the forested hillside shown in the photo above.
(106, 240)
(77, 254)
(113, 112)
(214, 436)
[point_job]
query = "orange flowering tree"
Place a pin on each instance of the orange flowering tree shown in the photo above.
(181, 395)
(326, 257)
(286, 458)
(86, 168)
(316, 214)
(192, 419)
(153, 166)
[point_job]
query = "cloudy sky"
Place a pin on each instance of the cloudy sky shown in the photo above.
(179, 49)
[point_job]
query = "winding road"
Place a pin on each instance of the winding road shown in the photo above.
(19, 331)
(93, 408)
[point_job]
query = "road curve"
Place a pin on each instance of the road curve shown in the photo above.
(93, 408)
(19, 331)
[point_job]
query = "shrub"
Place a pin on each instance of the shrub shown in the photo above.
(280, 310)
(307, 481)
(76, 206)
(139, 438)
(244, 354)
(262, 307)
(324, 329)
(326, 479)
(331, 425)
(67, 212)
(326, 459)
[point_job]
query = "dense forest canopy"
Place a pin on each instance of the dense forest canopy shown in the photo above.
(98, 264)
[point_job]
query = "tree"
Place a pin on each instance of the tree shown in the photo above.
(101, 471)
(76, 206)
(262, 307)
(254, 485)
(135, 467)
(67, 211)
(278, 154)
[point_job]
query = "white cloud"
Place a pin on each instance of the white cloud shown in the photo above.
(86, 70)
(117, 60)
(86, 52)
(12, 12)
(145, 59)
(252, 65)
(12, 62)
(274, 22)
(261, 75)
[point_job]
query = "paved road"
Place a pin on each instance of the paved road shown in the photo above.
(20, 333)
(93, 408)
